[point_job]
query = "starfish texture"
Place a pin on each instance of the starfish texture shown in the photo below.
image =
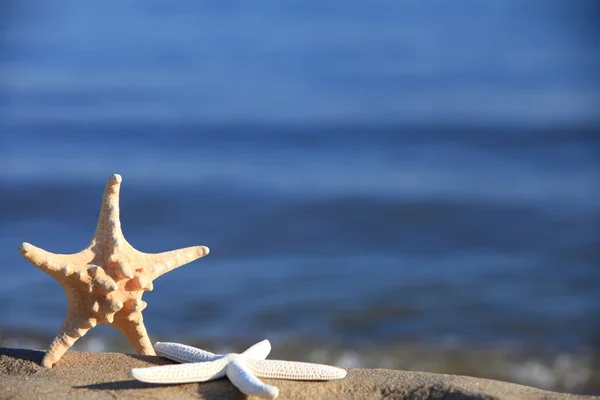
(243, 370)
(104, 282)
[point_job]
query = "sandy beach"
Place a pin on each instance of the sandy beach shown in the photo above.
(82, 375)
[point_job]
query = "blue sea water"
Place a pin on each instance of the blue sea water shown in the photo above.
(392, 184)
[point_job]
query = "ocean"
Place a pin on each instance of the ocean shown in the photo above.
(389, 185)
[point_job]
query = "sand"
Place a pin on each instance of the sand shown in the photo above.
(106, 376)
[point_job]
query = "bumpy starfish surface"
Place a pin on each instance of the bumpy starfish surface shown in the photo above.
(104, 283)
(241, 369)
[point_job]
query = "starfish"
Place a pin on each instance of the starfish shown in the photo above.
(243, 370)
(104, 282)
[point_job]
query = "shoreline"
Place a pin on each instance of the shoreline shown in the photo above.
(106, 376)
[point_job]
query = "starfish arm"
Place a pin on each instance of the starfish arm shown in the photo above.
(182, 373)
(109, 223)
(258, 351)
(132, 327)
(50, 263)
(246, 382)
(182, 353)
(294, 370)
(72, 329)
(162, 263)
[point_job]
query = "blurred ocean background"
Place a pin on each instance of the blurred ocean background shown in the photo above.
(394, 184)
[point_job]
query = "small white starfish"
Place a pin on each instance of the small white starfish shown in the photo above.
(241, 369)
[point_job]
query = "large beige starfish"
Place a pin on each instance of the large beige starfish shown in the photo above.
(104, 283)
